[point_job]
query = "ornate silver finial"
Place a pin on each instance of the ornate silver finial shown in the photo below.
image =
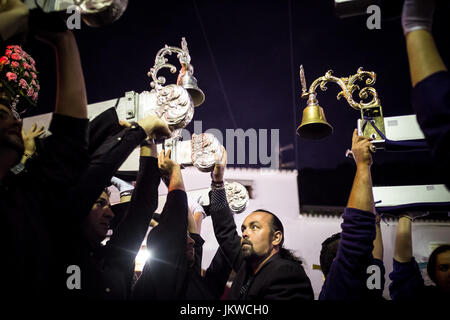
(303, 80)
(162, 62)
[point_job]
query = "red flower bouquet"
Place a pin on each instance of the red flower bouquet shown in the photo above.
(18, 78)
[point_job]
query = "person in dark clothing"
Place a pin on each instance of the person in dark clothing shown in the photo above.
(407, 282)
(346, 257)
(431, 102)
(430, 80)
(265, 270)
(30, 200)
(109, 269)
(174, 270)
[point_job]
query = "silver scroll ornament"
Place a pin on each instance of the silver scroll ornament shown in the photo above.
(172, 103)
(237, 196)
(205, 151)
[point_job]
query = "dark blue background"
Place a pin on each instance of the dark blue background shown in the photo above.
(246, 56)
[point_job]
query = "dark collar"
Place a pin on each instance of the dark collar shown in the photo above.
(276, 256)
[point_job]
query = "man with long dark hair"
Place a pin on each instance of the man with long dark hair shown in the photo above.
(265, 270)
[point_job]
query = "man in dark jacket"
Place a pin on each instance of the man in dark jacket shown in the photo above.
(265, 270)
(31, 199)
(174, 270)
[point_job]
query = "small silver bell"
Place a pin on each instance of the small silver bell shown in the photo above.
(189, 82)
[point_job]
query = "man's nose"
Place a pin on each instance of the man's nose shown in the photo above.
(108, 213)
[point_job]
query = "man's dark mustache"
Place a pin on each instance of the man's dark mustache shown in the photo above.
(246, 242)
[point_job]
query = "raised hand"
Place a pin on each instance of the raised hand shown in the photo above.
(219, 167)
(28, 138)
(155, 127)
(165, 164)
(361, 149)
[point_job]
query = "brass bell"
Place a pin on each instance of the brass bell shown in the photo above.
(189, 82)
(314, 124)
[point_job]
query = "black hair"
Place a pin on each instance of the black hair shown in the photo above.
(432, 260)
(276, 225)
(328, 252)
(107, 191)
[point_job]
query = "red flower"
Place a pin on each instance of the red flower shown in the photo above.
(33, 75)
(15, 64)
(23, 83)
(30, 92)
(8, 53)
(26, 66)
(16, 56)
(35, 97)
(11, 76)
(4, 60)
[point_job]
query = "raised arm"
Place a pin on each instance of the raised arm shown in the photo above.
(431, 81)
(164, 274)
(403, 240)
(107, 159)
(423, 56)
(127, 239)
(378, 248)
(407, 282)
(173, 169)
(222, 217)
(361, 196)
(347, 277)
(71, 99)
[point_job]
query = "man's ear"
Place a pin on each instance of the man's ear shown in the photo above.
(276, 238)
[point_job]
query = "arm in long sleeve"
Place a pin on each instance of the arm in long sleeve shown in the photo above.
(127, 239)
(407, 282)
(347, 276)
(431, 103)
(103, 164)
(198, 251)
(217, 274)
(164, 274)
(225, 228)
(62, 157)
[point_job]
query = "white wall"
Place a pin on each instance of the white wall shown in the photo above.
(277, 191)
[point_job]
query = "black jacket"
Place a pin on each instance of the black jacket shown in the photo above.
(166, 276)
(109, 269)
(107, 272)
(278, 279)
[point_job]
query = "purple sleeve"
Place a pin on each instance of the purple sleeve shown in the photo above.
(347, 277)
(407, 282)
(431, 103)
